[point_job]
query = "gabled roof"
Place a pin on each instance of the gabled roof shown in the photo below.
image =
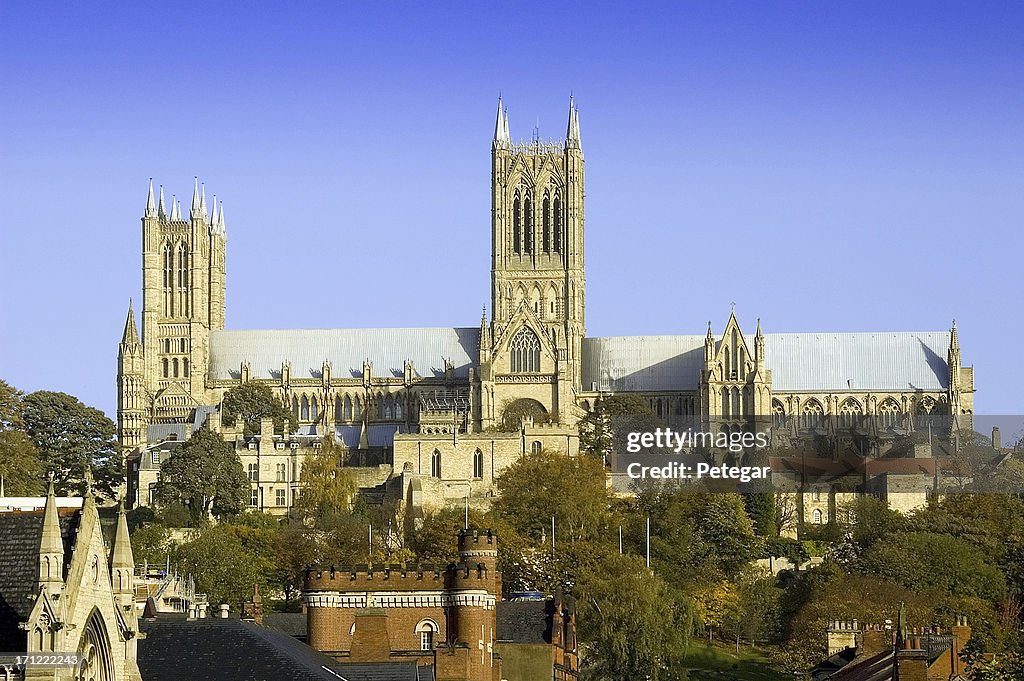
(345, 349)
(20, 533)
(524, 621)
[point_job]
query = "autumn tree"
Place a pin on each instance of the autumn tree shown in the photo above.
(71, 438)
(206, 475)
(21, 467)
(327, 487)
(253, 401)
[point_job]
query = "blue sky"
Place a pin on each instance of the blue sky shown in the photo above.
(825, 166)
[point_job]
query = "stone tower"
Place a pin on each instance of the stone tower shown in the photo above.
(735, 383)
(183, 272)
(537, 280)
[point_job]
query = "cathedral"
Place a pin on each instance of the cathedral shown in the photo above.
(435, 414)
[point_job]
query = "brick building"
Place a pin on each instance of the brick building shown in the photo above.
(445, 619)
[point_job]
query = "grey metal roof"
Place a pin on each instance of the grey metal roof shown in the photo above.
(643, 363)
(377, 435)
(345, 349)
(904, 360)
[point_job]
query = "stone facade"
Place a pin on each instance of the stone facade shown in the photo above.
(63, 590)
(395, 397)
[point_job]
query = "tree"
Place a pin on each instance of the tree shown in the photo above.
(205, 475)
(606, 425)
(222, 566)
(253, 401)
(542, 485)
(10, 407)
(327, 487)
(435, 540)
(514, 411)
(71, 438)
(626, 616)
(20, 465)
(868, 520)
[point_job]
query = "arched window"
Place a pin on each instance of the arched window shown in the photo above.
(478, 464)
(536, 447)
(778, 414)
(558, 224)
(398, 407)
(517, 224)
(183, 306)
(389, 408)
(357, 408)
(889, 413)
(295, 406)
(314, 408)
(812, 416)
(304, 410)
(546, 230)
(96, 660)
(725, 403)
(435, 464)
(184, 345)
(168, 281)
(174, 366)
(346, 412)
(817, 516)
(166, 364)
(426, 630)
(525, 349)
(849, 413)
(185, 367)
(528, 225)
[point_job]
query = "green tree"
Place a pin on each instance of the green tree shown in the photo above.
(514, 411)
(223, 567)
(72, 437)
(205, 474)
(626, 616)
(868, 520)
(605, 426)
(253, 401)
(542, 485)
(20, 465)
(152, 544)
(435, 541)
(10, 407)
(327, 487)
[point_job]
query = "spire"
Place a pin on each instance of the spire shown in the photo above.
(954, 340)
(196, 206)
(202, 205)
(51, 547)
(759, 343)
(121, 553)
(572, 132)
(501, 138)
(175, 208)
(710, 335)
(131, 332)
(150, 201)
(160, 210)
(217, 222)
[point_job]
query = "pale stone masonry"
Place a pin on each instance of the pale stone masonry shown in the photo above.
(427, 404)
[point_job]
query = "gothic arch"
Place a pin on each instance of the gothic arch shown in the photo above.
(850, 412)
(778, 414)
(546, 224)
(517, 223)
(812, 415)
(94, 651)
(889, 413)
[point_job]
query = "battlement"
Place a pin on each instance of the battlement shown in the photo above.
(538, 147)
(426, 577)
(478, 540)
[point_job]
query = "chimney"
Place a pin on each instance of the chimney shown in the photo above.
(225, 610)
(997, 439)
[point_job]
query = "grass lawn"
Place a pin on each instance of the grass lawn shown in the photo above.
(718, 663)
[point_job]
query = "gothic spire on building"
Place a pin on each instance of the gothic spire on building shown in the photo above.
(160, 210)
(131, 332)
(122, 562)
(195, 210)
(501, 136)
(150, 201)
(759, 343)
(572, 133)
(202, 204)
(51, 547)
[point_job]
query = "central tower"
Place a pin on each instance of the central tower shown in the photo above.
(537, 234)
(530, 351)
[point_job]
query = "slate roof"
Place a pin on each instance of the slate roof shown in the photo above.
(228, 650)
(20, 532)
(384, 671)
(799, 362)
(291, 623)
(524, 621)
(345, 349)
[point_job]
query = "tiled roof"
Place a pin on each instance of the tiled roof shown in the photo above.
(799, 362)
(226, 650)
(384, 671)
(345, 349)
(291, 623)
(524, 621)
(20, 533)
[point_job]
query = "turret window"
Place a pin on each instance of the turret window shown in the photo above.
(525, 350)
(517, 222)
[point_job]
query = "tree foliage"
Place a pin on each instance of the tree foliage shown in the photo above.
(253, 401)
(327, 487)
(71, 438)
(225, 565)
(206, 476)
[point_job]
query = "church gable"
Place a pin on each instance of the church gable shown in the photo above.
(522, 347)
